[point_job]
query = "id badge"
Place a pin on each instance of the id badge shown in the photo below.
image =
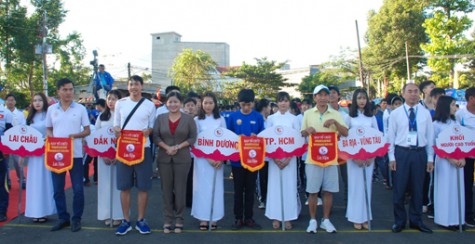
(412, 138)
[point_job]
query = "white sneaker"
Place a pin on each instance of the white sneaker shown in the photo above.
(312, 226)
(424, 209)
(262, 205)
(306, 202)
(328, 226)
(319, 202)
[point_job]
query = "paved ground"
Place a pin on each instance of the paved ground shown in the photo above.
(22, 230)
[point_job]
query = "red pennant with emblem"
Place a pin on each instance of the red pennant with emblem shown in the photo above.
(323, 148)
(252, 151)
(59, 153)
(130, 147)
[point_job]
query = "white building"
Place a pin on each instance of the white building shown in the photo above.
(167, 45)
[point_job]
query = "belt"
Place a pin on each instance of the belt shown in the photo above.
(411, 148)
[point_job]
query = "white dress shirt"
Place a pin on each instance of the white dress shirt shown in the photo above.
(399, 129)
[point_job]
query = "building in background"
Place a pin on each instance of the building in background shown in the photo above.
(166, 46)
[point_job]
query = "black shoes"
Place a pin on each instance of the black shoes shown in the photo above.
(76, 226)
(237, 224)
(421, 227)
(397, 228)
(61, 224)
(252, 224)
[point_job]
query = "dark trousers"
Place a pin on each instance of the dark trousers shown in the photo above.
(301, 180)
(3, 186)
(344, 177)
(468, 174)
(76, 174)
(263, 176)
(189, 186)
(86, 168)
(244, 186)
(410, 171)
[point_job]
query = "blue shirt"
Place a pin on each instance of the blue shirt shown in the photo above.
(245, 124)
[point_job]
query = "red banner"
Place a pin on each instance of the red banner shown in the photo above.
(323, 148)
(59, 153)
(252, 150)
(130, 147)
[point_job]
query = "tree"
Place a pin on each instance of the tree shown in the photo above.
(193, 71)
(396, 22)
(309, 82)
(445, 29)
(262, 77)
(19, 33)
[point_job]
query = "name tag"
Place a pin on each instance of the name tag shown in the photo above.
(253, 122)
(412, 138)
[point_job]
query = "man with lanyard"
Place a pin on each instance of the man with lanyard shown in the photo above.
(5, 123)
(410, 155)
(321, 119)
(18, 118)
(102, 80)
(466, 117)
(142, 119)
(68, 119)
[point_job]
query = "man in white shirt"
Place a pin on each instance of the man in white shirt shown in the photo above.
(411, 136)
(142, 119)
(466, 117)
(18, 118)
(68, 119)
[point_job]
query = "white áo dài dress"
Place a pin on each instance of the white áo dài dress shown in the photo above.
(39, 185)
(356, 206)
(445, 186)
(203, 174)
(291, 202)
(107, 175)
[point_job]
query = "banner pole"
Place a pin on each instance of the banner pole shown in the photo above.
(282, 199)
(212, 199)
(459, 200)
(366, 197)
(111, 192)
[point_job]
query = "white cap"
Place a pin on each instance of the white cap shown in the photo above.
(320, 88)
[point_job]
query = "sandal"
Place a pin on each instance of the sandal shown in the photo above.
(203, 226)
(276, 224)
(365, 226)
(42, 220)
(35, 220)
(178, 229)
(167, 229)
(214, 226)
(288, 225)
(357, 226)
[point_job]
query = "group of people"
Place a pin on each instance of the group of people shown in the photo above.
(408, 125)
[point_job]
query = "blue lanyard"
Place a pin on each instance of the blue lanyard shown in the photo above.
(411, 123)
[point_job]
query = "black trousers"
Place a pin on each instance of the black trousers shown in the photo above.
(468, 178)
(86, 168)
(410, 171)
(3, 186)
(244, 187)
(263, 176)
(189, 186)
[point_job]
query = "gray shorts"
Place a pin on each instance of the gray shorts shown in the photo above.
(321, 177)
(138, 175)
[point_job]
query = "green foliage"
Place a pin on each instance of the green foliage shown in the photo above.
(262, 77)
(193, 71)
(22, 72)
(396, 22)
(309, 82)
(446, 30)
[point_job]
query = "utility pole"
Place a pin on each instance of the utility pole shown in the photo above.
(408, 68)
(128, 69)
(44, 47)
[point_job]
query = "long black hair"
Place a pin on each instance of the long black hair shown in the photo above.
(354, 104)
(442, 109)
(32, 111)
(202, 113)
(106, 115)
